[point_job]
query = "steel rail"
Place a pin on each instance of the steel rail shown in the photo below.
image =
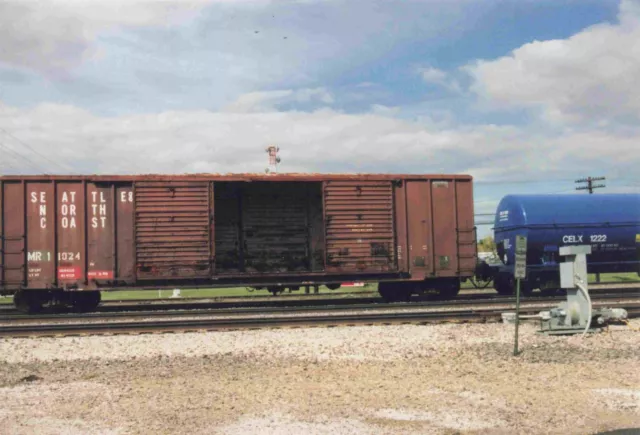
(200, 325)
(190, 304)
(226, 311)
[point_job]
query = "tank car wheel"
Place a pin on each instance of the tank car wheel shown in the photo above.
(526, 289)
(504, 287)
(85, 301)
(27, 302)
(550, 291)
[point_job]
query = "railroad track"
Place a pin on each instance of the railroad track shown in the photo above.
(291, 318)
(147, 306)
(261, 310)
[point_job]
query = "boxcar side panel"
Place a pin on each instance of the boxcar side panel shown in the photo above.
(444, 212)
(71, 220)
(14, 235)
(41, 235)
(100, 232)
(124, 233)
(467, 247)
(420, 250)
(401, 225)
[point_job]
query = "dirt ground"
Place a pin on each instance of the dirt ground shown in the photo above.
(442, 379)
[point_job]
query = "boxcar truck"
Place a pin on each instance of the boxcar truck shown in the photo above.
(609, 223)
(64, 239)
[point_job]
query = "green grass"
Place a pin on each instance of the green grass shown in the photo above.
(224, 292)
(242, 291)
(615, 277)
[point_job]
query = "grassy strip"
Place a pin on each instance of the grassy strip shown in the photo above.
(242, 291)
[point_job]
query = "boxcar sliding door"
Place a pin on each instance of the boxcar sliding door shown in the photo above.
(359, 226)
(173, 229)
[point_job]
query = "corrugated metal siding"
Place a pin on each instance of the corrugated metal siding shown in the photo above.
(359, 226)
(172, 229)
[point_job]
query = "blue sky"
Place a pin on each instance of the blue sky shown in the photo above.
(524, 95)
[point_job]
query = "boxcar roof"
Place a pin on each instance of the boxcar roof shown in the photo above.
(237, 177)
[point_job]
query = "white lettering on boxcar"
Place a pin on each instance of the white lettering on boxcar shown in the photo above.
(40, 199)
(126, 196)
(68, 210)
(34, 256)
(98, 210)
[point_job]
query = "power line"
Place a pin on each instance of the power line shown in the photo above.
(17, 154)
(65, 167)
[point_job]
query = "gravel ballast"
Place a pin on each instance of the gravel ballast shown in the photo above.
(348, 380)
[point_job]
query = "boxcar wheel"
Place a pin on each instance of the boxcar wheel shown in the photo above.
(449, 290)
(27, 302)
(85, 301)
(395, 292)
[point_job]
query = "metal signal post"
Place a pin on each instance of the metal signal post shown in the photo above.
(520, 272)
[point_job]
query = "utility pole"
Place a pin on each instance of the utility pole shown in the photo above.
(590, 186)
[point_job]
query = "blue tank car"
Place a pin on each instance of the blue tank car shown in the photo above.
(610, 223)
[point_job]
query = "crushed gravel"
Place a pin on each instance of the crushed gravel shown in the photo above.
(440, 379)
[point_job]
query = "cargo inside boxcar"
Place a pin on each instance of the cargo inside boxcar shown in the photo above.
(268, 227)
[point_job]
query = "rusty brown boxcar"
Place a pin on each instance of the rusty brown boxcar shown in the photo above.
(65, 238)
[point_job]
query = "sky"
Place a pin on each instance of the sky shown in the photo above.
(524, 95)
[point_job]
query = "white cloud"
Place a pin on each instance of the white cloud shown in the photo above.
(433, 75)
(270, 100)
(589, 77)
(439, 77)
(381, 109)
(321, 141)
(52, 36)
(261, 43)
